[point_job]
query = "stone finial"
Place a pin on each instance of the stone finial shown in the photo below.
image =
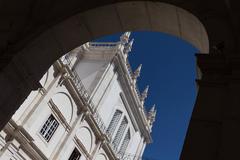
(152, 115)
(152, 109)
(125, 37)
(136, 74)
(144, 94)
(128, 47)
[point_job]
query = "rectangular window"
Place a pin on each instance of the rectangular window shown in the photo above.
(75, 155)
(120, 132)
(49, 128)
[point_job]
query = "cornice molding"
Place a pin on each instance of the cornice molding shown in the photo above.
(25, 139)
(132, 98)
(82, 148)
(58, 113)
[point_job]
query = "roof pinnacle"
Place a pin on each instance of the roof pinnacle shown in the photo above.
(152, 115)
(136, 74)
(153, 108)
(125, 37)
(144, 94)
(128, 47)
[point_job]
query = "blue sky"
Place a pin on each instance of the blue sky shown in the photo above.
(169, 68)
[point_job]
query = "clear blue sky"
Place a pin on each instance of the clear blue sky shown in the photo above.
(169, 68)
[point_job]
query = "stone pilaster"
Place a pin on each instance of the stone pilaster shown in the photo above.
(204, 134)
(214, 128)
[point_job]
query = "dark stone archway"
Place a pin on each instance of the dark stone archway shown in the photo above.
(35, 33)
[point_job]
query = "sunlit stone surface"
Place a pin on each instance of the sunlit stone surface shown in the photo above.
(89, 107)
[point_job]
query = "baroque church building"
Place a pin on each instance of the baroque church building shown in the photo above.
(88, 108)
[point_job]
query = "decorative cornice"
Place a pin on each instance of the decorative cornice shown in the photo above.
(132, 97)
(109, 151)
(25, 140)
(57, 112)
(82, 148)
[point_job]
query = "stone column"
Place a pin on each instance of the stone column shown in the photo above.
(230, 135)
(204, 133)
(97, 148)
(214, 128)
(139, 149)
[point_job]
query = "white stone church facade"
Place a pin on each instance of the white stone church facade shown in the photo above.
(89, 108)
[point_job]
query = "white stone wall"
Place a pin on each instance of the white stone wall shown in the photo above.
(89, 71)
(110, 101)
(77, 127)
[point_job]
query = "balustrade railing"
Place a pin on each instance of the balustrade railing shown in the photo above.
(103, 44)
(100, 122)
(78, 83)
(84, 93)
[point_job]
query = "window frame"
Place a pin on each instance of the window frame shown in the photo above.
(75, 150)
(120, 132)
(125, 142)
(112, 131)
(45, 133)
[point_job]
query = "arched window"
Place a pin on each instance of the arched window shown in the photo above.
(120, 132)
(113, 124)
(124, 143)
